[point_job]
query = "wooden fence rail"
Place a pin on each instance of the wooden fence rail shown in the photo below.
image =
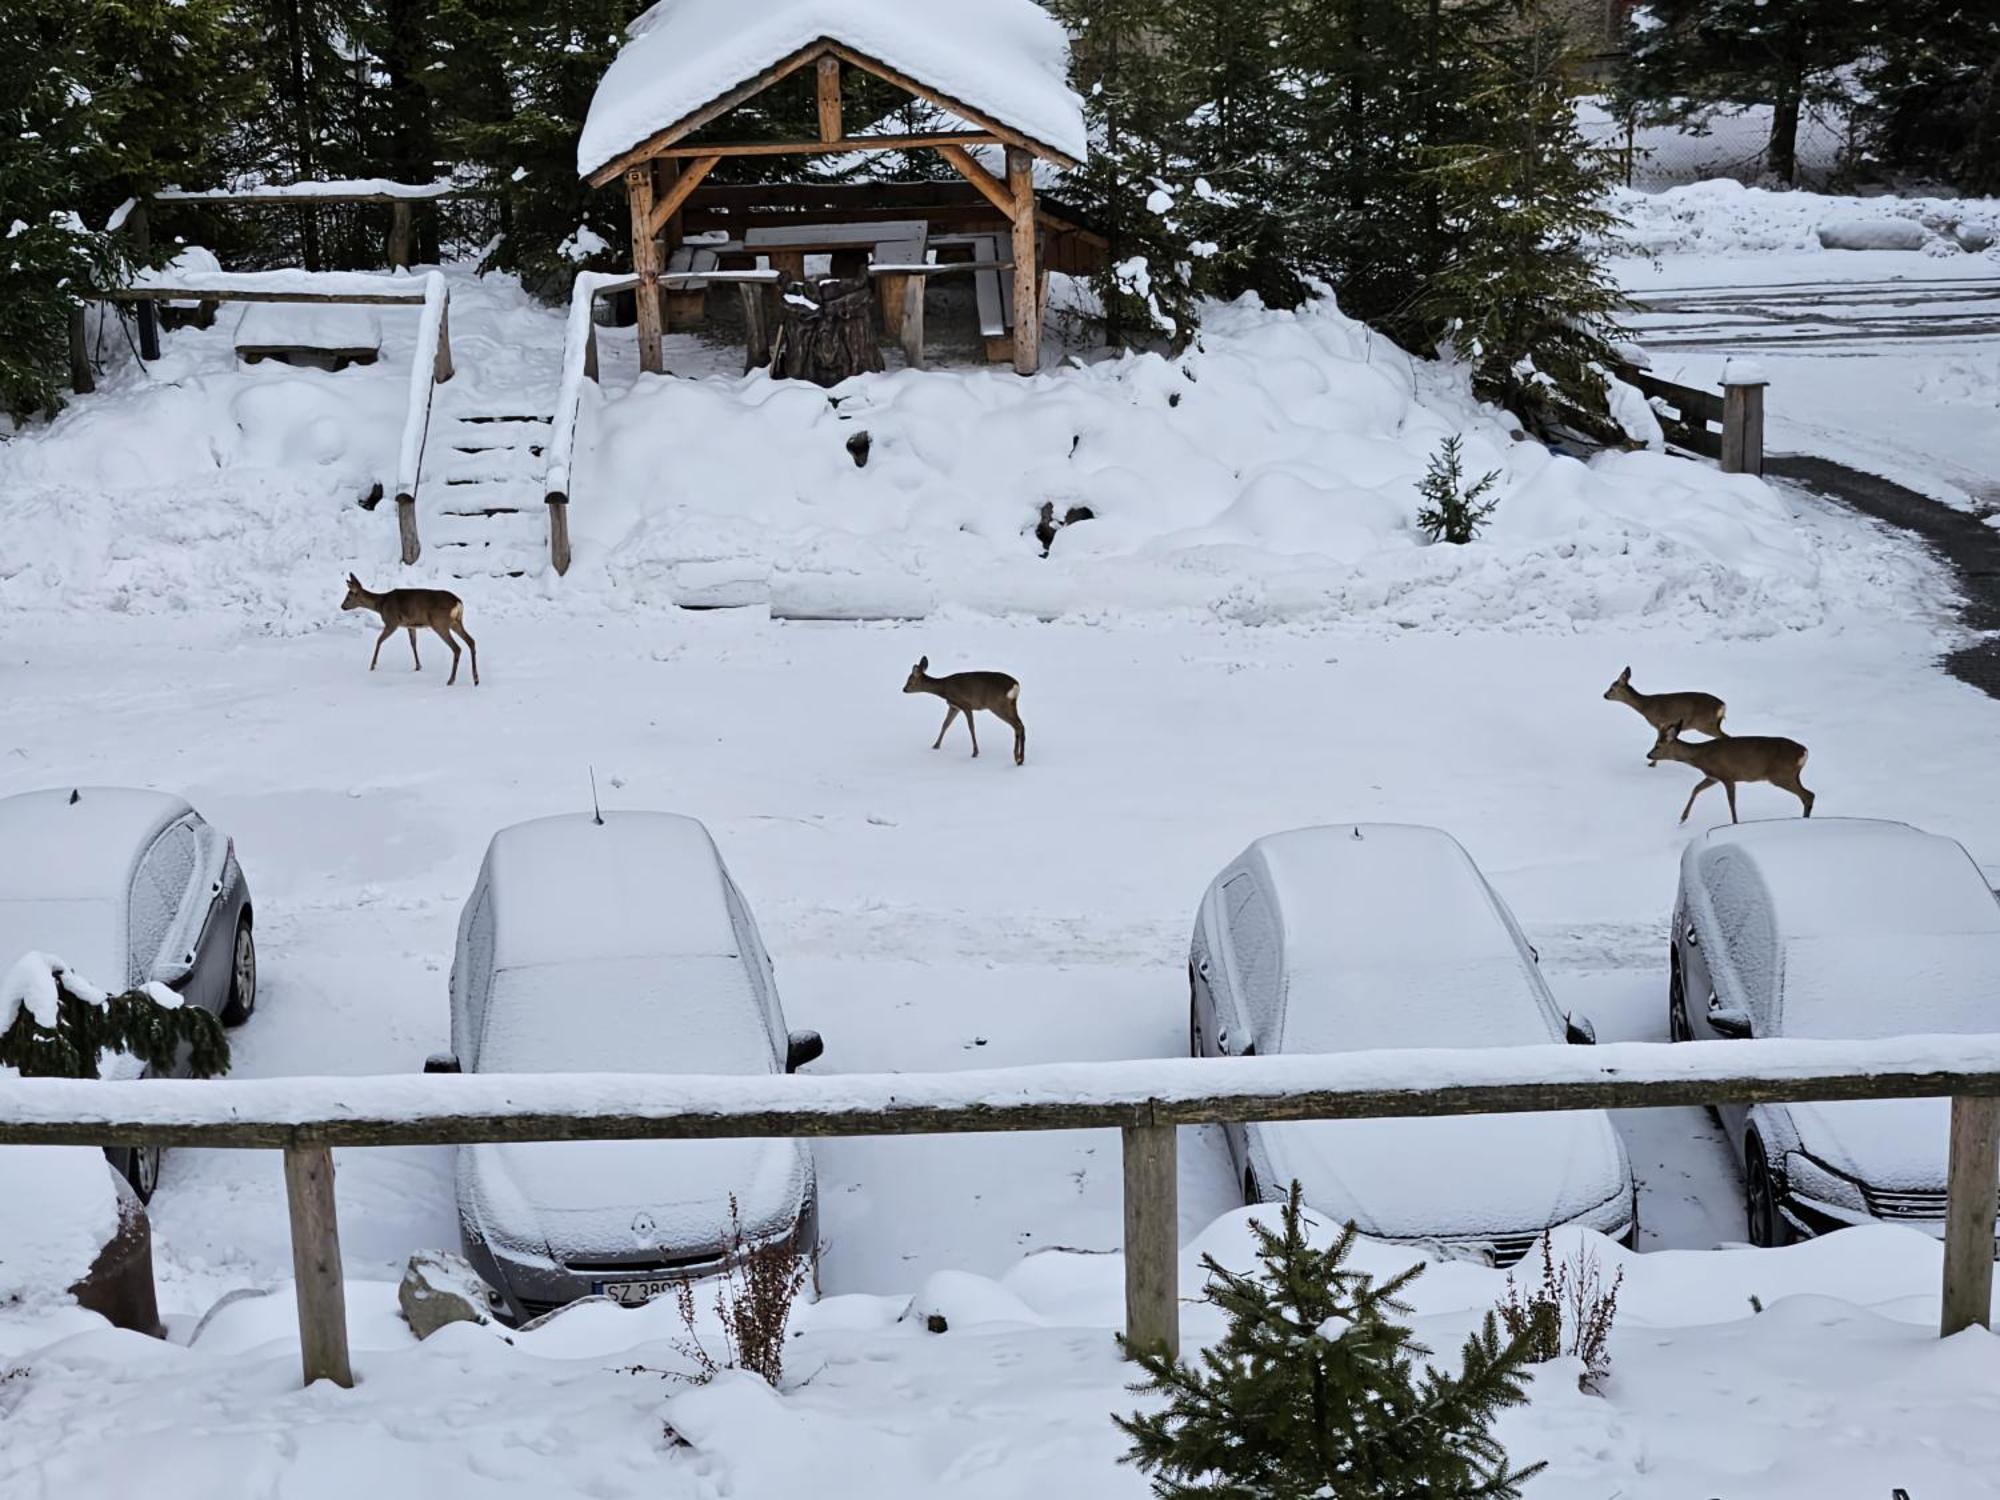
(1145, 1100)
(1737, 410)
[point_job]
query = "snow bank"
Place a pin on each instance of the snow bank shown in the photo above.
(1007, 59)
(1723, 217)
(58, 1208)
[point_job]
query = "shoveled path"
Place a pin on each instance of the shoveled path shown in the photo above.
(1963, 540)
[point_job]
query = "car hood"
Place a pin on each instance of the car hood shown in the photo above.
(1451, 1178)
(619, 1200)
(1898, 1145)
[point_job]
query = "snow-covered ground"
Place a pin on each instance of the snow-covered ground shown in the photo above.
(1249, 637)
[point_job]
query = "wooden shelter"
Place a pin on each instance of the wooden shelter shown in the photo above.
(664, 169)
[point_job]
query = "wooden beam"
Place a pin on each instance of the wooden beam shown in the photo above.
(990, 187)
(645, 265)
(1970, 1198)
(840, 147)
(1027, 300)
(690, 179)
(829, 99)
(1152, 1241)
(230, 294)
(654, 144)
(559, 534)
(953, 106)
(399, 233)
(322, 1296)
(441, 370)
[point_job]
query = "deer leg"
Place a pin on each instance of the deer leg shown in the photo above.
(387, 631)
(473, 646)
(1730, 788)
(445, 636)
(973, 730)
(1797, 788)
(949, 714)
(413, 649)
(1703, 785)
(1009, 716)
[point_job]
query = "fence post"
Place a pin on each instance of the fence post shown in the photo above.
(1743, 385)
(1152, 1240)
(82, 379)
(1970, 1193)
(442, 370)
(316, 1265)
(399, 233)
(406, 528)
(558, 534)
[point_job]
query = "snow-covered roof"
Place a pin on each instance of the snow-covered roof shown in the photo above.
(1003, 61)
(53, 849)
(641, 884)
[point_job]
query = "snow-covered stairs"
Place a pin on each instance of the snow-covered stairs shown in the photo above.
(482, 509)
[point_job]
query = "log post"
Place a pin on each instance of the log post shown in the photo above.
(829, 98)
(399, 233)
(406, 527)
(1971, 1190)
(140, 229)
(756, 325)
(1742, 418)
(316, 1265)
(441, 370)
(1152, 1239)
(82, 379)
(559, 534)
(645, 265)
(590, 353)
(912, 329)
(1027, 305)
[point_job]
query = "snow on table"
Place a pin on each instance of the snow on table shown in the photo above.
(333, 190)
(1004, 59)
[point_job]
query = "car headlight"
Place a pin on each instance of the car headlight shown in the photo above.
(1823, 1187)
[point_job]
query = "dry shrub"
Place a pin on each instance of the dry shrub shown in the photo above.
(1569, 1314)
(753, 1303)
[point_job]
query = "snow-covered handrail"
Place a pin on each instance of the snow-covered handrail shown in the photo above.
(579, 363)
(169, 283)
(430, 367)
(1145, 1100)
(333, 190)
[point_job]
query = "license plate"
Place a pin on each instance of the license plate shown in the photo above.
(636, 1293)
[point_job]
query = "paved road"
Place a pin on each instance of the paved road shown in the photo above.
(1823, 317)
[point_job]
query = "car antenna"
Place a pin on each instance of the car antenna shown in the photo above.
(596, 812)
(1357, 830)
(75, 796)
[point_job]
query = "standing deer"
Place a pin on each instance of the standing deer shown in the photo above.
(968, 692)
(406, 609)
(1738, 758)
(1702, 711)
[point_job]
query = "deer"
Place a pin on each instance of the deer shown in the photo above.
(966, 693)
(1735, 758)
(1702, 711)
(406, 609)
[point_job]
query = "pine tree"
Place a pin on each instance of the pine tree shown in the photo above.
(1689, 58)
(1313, 1393)
(1450, 512)
(1934, 88)
(88, 1023)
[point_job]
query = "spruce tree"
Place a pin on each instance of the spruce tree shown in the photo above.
(1934, 91)
(80, 1023)
(1314, 1392)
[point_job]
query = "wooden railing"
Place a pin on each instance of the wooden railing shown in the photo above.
(306, 195)
(1146, 1101)
(1737, 411)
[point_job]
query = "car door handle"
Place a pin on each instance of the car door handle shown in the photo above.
(1693, 937)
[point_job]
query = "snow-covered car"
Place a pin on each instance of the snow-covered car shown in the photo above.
(1841, 928)
(619, 946)
(128, 887)
(1360, 937)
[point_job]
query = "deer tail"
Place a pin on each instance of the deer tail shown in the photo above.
(1014, 693)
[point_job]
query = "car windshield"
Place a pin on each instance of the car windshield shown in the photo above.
(84, 934)
(1890, 984)
(680, 1015)
(1483, 1001)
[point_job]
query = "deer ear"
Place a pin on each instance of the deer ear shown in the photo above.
(924, 665)
(1626, 675)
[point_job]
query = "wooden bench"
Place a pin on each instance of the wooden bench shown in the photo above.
(324, 337)
(903, 284)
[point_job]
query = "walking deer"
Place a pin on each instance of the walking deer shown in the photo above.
(1738, 758)
(968, 692)
(406, 609)
(1702, 711)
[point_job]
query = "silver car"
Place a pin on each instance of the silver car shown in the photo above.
(1847, 929)
(619, 946)
(128, 887)
(1367, 936)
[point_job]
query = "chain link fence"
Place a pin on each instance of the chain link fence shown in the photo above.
(1734, 145)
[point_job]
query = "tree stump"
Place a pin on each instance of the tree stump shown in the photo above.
(826, 331)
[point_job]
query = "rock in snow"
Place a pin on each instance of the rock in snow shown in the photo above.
(439, 1288)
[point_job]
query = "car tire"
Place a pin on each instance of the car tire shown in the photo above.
(1767, 1227)
(1253, 1194)
(142, 1170)
(242, 999)
(1678, 1027)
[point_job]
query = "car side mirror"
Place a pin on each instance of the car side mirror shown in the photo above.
(1578, 1031)
(1730, 1023)
(442, 1062)
(801, 1048)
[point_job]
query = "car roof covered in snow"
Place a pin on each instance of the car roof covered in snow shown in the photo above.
(568, 889)
(53, 848)
(1388, 930)
(1005, 60)
(1831, 876)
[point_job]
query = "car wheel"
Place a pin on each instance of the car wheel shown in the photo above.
(1768, 1228)
(142, 1170)
(1678, 1028)
(242, 976)
(1252, 1193)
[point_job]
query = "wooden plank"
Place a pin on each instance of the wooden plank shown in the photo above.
(951, 105)
(1972, 1189)
(1025, 311)
(842, 147)
(828, 96)
(1743, 429)
(559, 533)
(690, 179)
(399, 233)
(322, 1296)
(825, 237)
(1152, 1241)
(655, 144)
(889, 290)
(645, 266)
(989, 187)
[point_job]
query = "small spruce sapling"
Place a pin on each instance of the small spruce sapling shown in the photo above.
(55, 1024)
(1314, 1390)
(1452, 513)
